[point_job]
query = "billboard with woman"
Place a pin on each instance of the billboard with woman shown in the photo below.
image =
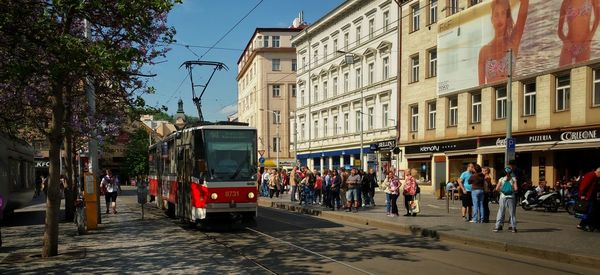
(473, 45)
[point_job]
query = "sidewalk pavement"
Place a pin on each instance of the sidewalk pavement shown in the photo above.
(551, 236)
(123, 243)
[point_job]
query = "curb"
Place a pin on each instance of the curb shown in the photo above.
(441, 236)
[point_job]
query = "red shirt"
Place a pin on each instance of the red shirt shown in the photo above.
(587, 185)
(319, 183)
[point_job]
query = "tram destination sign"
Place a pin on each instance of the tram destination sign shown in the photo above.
(570, 135)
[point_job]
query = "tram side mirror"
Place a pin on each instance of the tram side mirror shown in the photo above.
(201, 165)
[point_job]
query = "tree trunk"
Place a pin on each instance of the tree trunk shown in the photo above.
(53, 201)
(69, 190)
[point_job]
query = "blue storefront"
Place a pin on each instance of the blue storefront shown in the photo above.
(347, 158)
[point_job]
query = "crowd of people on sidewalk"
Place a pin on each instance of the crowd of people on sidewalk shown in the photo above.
(340, 189)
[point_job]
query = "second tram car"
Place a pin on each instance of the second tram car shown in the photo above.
(223, 157)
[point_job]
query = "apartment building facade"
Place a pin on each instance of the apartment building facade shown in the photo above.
(347, 87)
(267, 91)
(454, 92)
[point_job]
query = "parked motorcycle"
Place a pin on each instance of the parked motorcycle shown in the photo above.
(550, 201)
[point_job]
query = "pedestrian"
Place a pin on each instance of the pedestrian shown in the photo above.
(465, 188)
(385, 186)
(273, 183)
(507, 187)
(365, 185)
(285, 182)
(489, 185)
(369, 185)
(410, 190)
(265, 183)
(394, 194)
(318, 189)
(45, 184)
(589, 187)
(334, 192)
(344, 186)
(353, 182)
(38, 186)
(294, 180)
(111, 188)
(327, 189)
(477, 182)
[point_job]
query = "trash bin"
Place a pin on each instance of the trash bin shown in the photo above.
(142, 193)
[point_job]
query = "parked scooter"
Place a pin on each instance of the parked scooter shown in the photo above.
(550, 201)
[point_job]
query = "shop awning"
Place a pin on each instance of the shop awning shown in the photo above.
(418, 156)
(519, 148)
(461, 153)
(565, 145)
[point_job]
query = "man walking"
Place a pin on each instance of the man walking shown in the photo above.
(353, 189)
(588, 190)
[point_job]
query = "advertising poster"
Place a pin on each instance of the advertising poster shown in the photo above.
(544, 35)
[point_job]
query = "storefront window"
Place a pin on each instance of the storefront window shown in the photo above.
(423, 166)
(459, 165)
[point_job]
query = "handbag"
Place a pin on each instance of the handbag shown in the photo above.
(582, 206)
(415, 206)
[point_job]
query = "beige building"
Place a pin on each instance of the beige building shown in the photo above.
(454, 94)
(267, 91)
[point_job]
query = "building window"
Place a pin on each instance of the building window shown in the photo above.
(529, 92)
(324, 90)
(414, 68)
(293, 89)
(335, 47)
(386, 68)
(325, 127)
(370, 119)
(303, 62)
(324, 51)
(432, 115)
(371, 28)
(346, 41)
(302, 98)
(385, 114)
(433, 11)
(416, 17)
(371, 73)
(453, 6)
(414, 118)
(386, 21)
(316, 93)
(316, 57)
(432, 70)
(335, 87)
(276, 64)
(596, 88)
(452, 111)
(294, 65)
(275, 41)
(265, 41)
(316, 129)
(346, 82)
(276, 117)
(276, 90)
(563, 93)
(335, 125)
(476, 108)
(358, 124)
(358, 79)
(346, 122)
(500, 102)
(276, 144)
(358, 34)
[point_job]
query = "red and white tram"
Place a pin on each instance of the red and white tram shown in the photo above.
(219, 159)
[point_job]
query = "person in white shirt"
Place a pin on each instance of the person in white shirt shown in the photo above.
(110, 187)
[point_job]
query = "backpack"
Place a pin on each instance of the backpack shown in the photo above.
(506, 188)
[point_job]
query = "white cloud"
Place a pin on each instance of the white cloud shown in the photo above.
(229, 109)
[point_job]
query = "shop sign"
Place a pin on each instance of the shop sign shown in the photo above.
(546, 137)
(442, 147)
(42, 163)
(386, 145)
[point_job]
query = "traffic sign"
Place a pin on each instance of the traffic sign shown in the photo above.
(510, 148)
(261, 152)
(261, 160)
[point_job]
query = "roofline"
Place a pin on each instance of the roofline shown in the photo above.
(298, 29)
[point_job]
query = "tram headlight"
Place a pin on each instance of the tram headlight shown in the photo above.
(251, 195)
(214, 196)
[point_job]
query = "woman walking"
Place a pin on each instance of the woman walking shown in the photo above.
(410, 190)
(111, 188)
(477, 182)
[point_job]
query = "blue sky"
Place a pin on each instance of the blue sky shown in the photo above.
(202, 23)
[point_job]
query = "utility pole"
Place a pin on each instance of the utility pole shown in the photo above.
(508, 155)
(278, 142)
(90, 93)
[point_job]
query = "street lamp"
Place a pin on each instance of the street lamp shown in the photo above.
(277, 135)
(349, 59)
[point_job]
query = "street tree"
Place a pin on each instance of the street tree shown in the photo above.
(46, 63)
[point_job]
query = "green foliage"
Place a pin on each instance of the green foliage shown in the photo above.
(136, 154)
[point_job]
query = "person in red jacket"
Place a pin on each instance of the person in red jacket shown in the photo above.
(588, 190)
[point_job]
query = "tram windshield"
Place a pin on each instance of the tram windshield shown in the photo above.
(230, 154)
